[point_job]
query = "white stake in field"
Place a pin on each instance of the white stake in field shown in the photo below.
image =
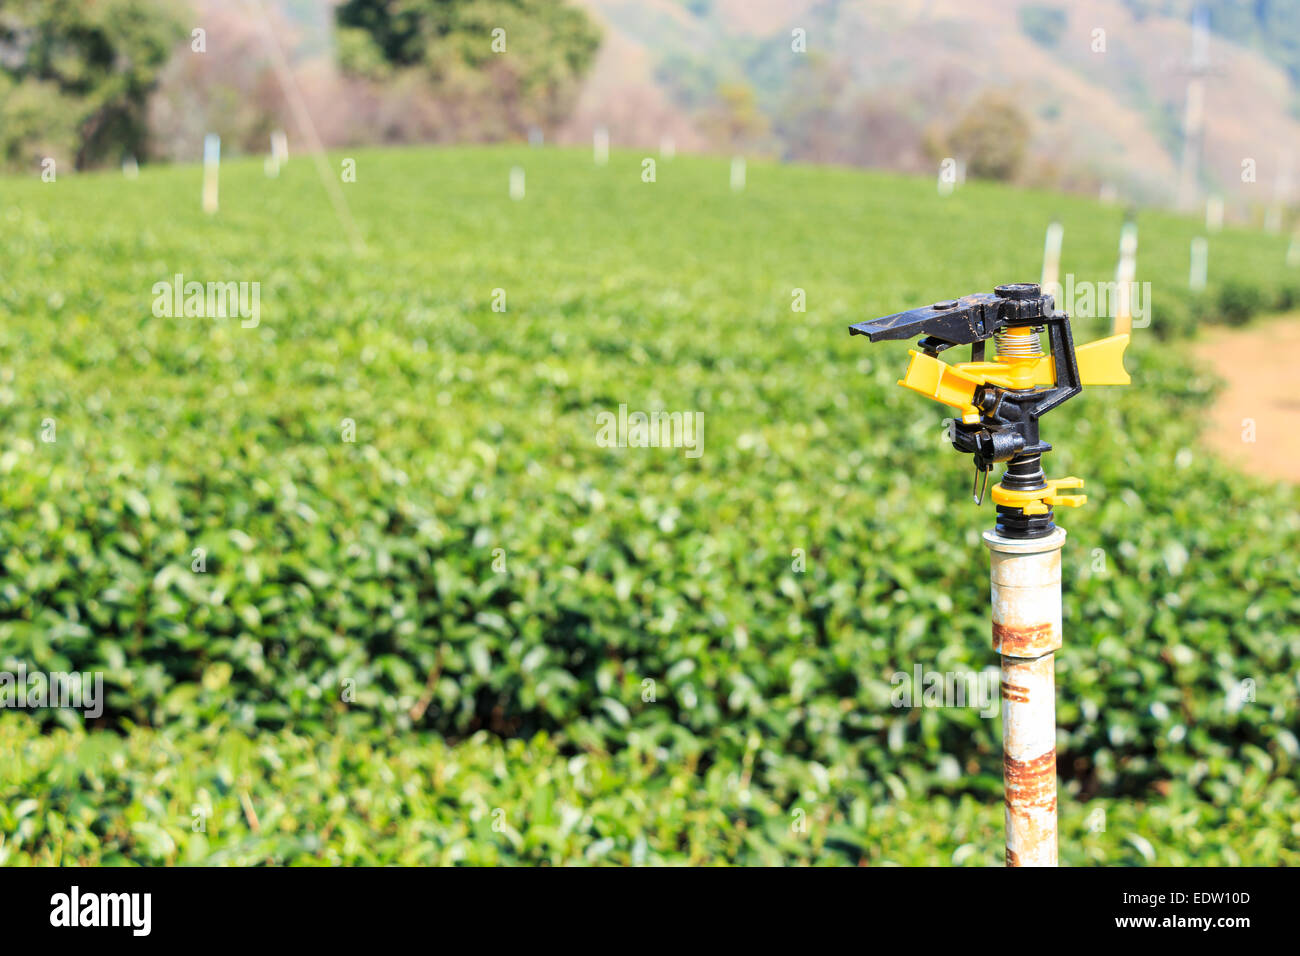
(211, 171)
(1052, 254)
(1214, 214)
(1200, 264)
(737, 173)
(279, 154)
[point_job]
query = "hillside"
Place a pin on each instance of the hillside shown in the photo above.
(888, 74)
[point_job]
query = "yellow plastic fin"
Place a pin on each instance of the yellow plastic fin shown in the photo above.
(1102, 362)
(940, 381)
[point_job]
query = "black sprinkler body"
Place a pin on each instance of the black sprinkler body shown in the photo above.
(1002, 400)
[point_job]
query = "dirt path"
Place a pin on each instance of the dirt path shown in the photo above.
(1261, 365)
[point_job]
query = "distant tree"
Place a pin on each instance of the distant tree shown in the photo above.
(231, 89)
(528, 54)
(735, 121)
(75, 77)
(992, 137)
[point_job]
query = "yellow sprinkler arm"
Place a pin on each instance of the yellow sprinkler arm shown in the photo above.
(1100, 363)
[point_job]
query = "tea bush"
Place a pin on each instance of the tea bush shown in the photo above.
(475, 568)
(219, 797)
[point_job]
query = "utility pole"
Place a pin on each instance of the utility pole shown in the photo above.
(1001, 402)
(1198, 67)
(1281, 192)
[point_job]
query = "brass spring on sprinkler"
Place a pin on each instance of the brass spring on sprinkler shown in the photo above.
(1021, 342)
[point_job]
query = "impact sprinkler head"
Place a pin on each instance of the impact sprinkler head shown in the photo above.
(1002, 400)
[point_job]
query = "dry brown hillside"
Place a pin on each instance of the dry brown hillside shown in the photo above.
(901, 70)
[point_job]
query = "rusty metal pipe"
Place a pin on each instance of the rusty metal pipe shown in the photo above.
(1025, 580)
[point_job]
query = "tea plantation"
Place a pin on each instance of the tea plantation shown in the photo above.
(364, 587)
